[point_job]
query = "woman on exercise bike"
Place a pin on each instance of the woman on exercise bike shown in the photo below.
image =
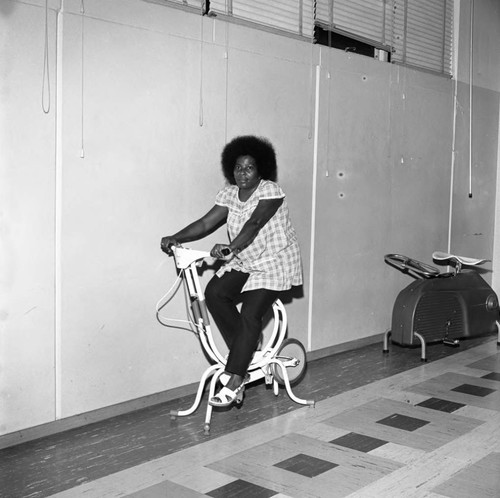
(262, 256)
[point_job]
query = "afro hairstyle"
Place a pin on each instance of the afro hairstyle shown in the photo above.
(259, 148)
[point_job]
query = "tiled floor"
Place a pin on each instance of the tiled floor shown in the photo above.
(402, 429)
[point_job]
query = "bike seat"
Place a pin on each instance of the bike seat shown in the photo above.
(444, 256)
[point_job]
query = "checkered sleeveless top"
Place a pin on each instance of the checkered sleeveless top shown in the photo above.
(273, 258)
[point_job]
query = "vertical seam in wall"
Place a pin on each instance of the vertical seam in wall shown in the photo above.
(471, 80)
(456, 26)
(452, 172)
(57, 215)
(496, 222)
(313, 210)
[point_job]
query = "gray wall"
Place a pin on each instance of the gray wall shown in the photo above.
(151, 107)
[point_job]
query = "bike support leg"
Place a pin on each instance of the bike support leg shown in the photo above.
(289, 387)
(386, 341)
(422, 342)
(208, 372)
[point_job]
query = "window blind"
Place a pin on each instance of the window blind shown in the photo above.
(423, 34)
(418, 33)
(197, 4)
(191, 3)
(293, 16)
(369, 21)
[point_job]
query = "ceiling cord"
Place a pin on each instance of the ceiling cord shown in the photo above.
(46, 71)
(471, 82)
(200, 115)
(82, 97)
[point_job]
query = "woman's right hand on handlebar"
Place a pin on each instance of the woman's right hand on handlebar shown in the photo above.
(220, 251)
(167, 243)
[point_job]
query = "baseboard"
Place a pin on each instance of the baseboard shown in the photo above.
(345, 346)
(73, 422)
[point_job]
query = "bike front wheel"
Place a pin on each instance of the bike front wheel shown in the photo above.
(292, 355)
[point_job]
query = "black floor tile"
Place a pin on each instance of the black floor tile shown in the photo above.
(306, 465)
(241, 489)
(441, 405)
(492, 376)
(473, 390)
(403, 422)
(358, 442)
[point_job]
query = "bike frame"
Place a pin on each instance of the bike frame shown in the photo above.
(187, 262)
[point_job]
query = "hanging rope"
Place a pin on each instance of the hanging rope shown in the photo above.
(200, 114)
(46, 69)
(226, 96)
(82, 95)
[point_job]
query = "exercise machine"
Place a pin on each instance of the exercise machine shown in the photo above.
(281, 361)
(441, 306)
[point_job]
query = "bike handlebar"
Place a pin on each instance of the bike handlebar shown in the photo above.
(184, 256)
(412, 266)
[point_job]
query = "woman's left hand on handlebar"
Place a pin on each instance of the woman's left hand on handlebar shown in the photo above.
(220, 251)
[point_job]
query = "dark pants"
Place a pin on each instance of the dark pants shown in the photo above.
(240, 329)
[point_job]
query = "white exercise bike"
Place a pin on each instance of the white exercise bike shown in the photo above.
(280, 361)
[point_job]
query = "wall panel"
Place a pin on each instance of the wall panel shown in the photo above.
(27, 218)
